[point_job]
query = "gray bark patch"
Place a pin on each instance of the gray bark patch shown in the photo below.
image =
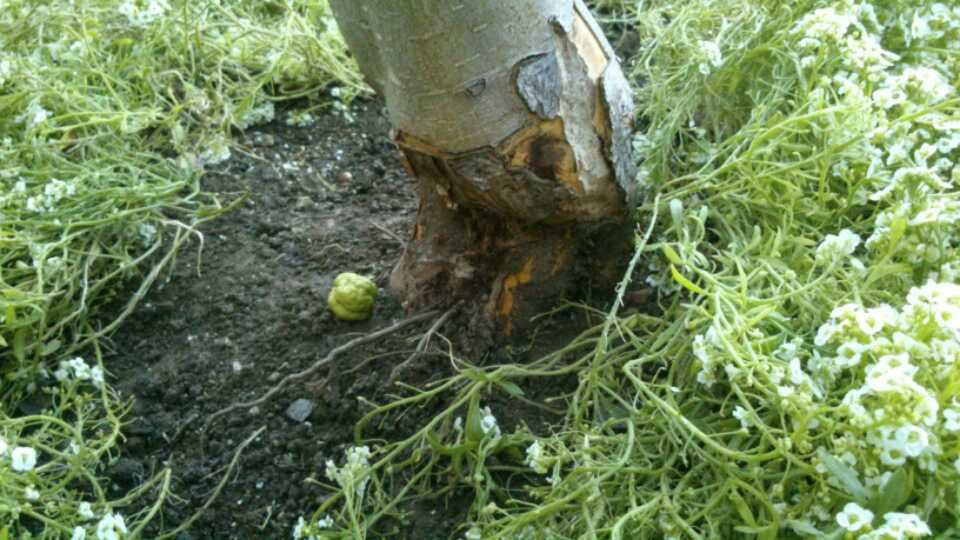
(539, 84)
(617, 96)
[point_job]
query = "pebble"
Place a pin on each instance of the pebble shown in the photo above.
(300, 410)
(345, 177)
(263, 139)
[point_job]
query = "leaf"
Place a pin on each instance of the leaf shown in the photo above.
(894, 494)
(511, 388)
(845, 475)
(804, 527)
(672, 255)
(51, 347)
(473, 428)
(686, 283)
(20, 345)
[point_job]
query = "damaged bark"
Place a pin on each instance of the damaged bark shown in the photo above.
(515, 118)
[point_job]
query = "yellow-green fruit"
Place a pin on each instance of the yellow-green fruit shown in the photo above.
(352, 297)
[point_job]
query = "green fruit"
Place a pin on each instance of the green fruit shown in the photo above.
(352, 297)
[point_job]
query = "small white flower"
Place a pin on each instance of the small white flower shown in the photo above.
(85, 510)
(23, 459)
(951, 419)
(325, 522)
(96, 376)
(79, 533)
(914, 440)
(535, 458)
(4, 447)
(849, 354)
(473, 534)
(31, 493)
(893, 456)
(838, 246)
(713, 58)
(299, 527)
(854, 517)
(742, 415)
(489, 423)
(111, 527)
(905, 524)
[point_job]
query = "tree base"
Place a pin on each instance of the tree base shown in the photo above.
(508, 268)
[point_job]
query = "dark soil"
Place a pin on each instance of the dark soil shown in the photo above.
(225, 329)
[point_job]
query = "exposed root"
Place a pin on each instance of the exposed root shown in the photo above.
(331, 356)
(424, 343)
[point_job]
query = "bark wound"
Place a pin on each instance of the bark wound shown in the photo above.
(521, 151)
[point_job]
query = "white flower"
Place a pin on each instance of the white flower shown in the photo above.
(489, 423)
(951, 419)
(473, 534)
(900, 524)
(872, 321)
(849, 354)
(298, 529)
(96, 376)
(31, 493)
(742, 415)
(79, 533)
(23, 459)
(111, 527)
(838, 246)
(854, 517)
(535, 458)
(85, 510)
(893, 455)
(34, 115)
(824, 23)
(914, 440)
(325, 522)
(4, 447)
(713, 56)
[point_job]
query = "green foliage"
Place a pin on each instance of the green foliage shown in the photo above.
(799, 381)
(110, 110)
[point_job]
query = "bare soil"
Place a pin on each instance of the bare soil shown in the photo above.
(228, 325)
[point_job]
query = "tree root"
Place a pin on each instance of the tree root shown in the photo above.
(330, 356)
(423, 343)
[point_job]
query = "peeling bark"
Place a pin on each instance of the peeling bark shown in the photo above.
(515, 118)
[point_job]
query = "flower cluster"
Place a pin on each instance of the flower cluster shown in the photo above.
(54, 191)
(77, 369)
(143, 13)
(302, 530)
(353, 473)
(896, 362)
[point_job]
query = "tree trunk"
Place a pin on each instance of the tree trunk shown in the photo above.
(515, 118)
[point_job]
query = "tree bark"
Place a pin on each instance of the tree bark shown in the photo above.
(515, 118)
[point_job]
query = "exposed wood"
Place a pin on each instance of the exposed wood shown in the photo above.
(515, 118)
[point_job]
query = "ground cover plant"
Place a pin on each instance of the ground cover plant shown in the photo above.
(109, 113)
(801, 379)
(798, 379)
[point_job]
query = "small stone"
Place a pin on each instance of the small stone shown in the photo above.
(254, 411)
(345, 177)
(237, 366)
(300, 410)
(274, 377)
(304, 203)
(263, 139)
